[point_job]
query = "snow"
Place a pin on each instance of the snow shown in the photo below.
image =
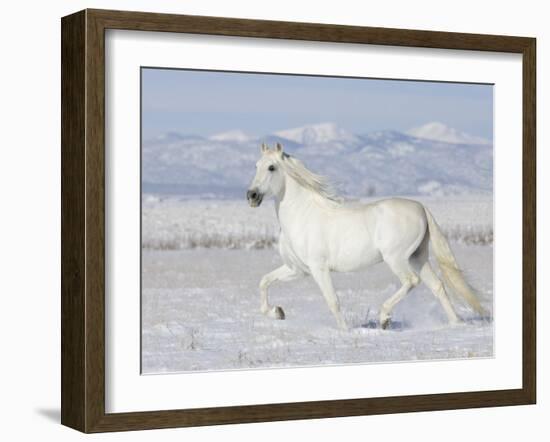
(318, 133)
(401, 149)
(202, 261)
(232, 135)
(201, 312)
(439, 132)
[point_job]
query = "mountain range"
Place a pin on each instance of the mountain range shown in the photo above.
(433, 159)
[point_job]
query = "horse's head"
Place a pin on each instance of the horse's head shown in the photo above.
(269, 180)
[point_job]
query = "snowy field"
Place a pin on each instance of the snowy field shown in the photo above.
(203, 260)
(174, 223)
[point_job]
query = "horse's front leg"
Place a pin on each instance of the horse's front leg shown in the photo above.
(323, 279)
(283, 273)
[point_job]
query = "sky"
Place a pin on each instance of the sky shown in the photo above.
(208, 102)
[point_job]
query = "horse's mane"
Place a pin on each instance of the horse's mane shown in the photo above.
(308, 179)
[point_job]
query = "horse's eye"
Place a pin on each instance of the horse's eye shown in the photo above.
(271, 168)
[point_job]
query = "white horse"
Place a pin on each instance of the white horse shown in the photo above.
(320, 233)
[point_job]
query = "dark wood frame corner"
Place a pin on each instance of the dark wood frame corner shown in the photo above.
(83, 220)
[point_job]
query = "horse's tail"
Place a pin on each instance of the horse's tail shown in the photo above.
(452, 275)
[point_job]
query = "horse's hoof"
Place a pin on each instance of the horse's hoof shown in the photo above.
(385, 320)
(279, 313)
(276, 313)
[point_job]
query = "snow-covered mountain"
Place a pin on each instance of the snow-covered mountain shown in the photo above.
(376, 163)
(322, 133)
(232, 135)
(439, 132)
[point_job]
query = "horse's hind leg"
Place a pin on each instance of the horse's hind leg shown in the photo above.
(283, 273)
(429, 278)
(409, 279)
(420, 261)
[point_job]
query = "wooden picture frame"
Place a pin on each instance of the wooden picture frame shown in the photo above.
(83, 220)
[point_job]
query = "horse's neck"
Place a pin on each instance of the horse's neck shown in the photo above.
(296, 201)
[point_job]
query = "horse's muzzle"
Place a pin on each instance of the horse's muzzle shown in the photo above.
(254, 197)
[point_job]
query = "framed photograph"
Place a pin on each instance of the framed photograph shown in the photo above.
(269, 220)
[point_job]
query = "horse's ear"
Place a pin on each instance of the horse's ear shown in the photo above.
(279, 148)
(264, 148)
